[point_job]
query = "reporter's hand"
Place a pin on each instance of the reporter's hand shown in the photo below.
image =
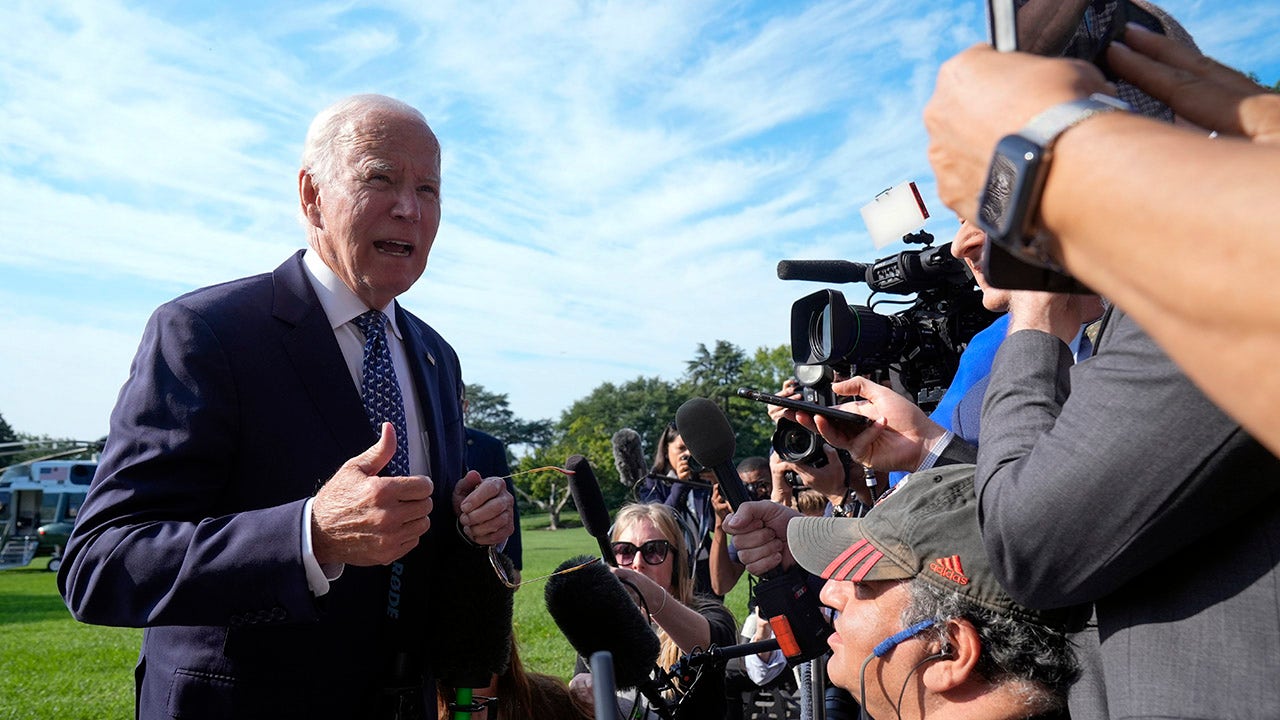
(899, 437)
(759, 531)
(719, 505)
(982, 95)
(582, 688)
(1198, 88)
(790, 389)
(484, 508)
(361, 518)
(1059, 314)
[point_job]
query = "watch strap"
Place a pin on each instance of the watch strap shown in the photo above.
(1044, 128)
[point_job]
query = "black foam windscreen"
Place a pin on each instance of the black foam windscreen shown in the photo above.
(706, 432)
(628, 457)
(585, 490)
(474, 640)
(595, 613)
(708, 435)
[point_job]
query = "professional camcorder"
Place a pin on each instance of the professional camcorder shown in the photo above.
(918, 347)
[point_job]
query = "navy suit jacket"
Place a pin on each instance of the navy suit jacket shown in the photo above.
(487, 455)
(238, 406)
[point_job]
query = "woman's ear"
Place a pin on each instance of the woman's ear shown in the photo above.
(958, 658)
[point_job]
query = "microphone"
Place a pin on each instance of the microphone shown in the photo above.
(829, 271)
(587, 497)
(707, 434)
(475, 643)
(628, 457)
(596, 614)
(785, 597)
(603, 688)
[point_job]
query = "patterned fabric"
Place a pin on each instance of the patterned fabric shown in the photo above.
(380, 389)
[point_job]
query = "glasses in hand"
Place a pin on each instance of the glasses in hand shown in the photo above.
(654, 552)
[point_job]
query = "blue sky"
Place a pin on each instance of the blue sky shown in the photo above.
(620, 178)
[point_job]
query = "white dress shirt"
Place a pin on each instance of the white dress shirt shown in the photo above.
(341, 307)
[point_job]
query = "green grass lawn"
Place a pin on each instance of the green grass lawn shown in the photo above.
(53, 667)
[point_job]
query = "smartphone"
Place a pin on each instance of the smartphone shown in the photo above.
(1000, 267)
(1002, 24)
(848, 419)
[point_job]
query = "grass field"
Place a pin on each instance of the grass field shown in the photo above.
(53, 667)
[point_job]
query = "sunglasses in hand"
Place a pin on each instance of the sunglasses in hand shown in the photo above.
(654, 552)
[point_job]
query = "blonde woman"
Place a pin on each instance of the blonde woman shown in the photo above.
(653, 561)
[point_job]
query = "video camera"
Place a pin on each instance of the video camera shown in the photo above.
(920, 346)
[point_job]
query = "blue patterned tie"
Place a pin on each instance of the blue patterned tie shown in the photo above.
(380, 389)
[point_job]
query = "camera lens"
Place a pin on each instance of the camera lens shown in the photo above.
(796, 442)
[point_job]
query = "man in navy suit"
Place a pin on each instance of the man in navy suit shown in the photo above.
(239, 513)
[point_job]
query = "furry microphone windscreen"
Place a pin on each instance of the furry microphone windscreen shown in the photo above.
(593, 610)
(628, 457)
(472, 639)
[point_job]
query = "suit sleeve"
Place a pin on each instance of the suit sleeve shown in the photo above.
(163, 537)
(1088, 476)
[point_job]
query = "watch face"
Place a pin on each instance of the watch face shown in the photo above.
(1013, 186)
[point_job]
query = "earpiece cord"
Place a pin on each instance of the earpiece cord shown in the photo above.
(903, 693)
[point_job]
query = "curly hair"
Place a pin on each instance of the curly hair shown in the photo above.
(1038, 662)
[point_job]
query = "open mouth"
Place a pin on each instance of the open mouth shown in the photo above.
(393, 247)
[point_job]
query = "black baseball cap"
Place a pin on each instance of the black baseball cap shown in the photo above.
(926, 528)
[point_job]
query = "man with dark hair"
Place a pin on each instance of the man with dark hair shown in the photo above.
(922, 628)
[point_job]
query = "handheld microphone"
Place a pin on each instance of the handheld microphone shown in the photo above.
(603, 688)
(628, 457)
(475, 644)
(828, 271)
(595, 613)
(585, 490)
(707, 434)
(785, 598)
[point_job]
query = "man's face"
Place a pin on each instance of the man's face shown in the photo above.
(967, 246)
(758, 483)
(375, 219)
(867, 613)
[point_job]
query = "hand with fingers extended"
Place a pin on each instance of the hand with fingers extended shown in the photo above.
(486, 511)
(899, 436)
(1198, 88)
(361, 518)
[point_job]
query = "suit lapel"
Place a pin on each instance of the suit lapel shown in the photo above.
(317, 360)
(425, 369)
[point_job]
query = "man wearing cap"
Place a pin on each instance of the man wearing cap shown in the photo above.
(922, 627)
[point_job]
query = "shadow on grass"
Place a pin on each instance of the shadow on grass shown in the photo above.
(22, 608)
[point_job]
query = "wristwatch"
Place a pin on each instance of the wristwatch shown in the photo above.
(1010, 201)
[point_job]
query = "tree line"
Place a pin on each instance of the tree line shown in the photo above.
(644, 404)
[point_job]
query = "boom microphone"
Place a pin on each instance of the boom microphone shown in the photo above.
(595, 613)
(628, 457)
(587, 497)
(829, 271)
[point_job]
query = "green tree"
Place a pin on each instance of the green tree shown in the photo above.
(765, 370)
(491, 413)
(6, 433)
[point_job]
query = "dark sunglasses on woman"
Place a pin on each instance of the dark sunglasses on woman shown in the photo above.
(654, 552)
